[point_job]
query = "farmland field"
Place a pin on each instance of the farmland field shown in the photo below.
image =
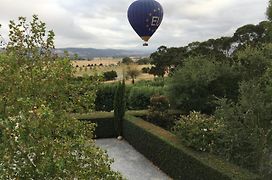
(98, 66)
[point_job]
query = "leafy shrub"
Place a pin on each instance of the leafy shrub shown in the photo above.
(201, 80)
(110, 75)
(38, 139)
(105, 97)
(157, 82)
(248, 126)
(158, 112)
(144, 61)
(127, 60)
(139, 97)
(81, 95)
(199, 131)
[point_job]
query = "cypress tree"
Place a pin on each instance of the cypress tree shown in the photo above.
(119, 107)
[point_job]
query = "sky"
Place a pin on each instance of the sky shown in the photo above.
(103, 23)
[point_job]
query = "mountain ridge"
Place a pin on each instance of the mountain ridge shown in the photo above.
(89, 53)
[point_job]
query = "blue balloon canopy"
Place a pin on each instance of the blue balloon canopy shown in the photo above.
(145, 16)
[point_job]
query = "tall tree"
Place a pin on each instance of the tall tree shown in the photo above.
(38, 139)
(269, 10)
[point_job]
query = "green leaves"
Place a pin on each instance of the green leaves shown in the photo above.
(269, 10)
(38, 140)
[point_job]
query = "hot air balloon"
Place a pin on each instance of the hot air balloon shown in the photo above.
(145, 16)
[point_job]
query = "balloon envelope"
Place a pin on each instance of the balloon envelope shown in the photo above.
(145, 16)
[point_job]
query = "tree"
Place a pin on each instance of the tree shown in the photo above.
(269, 10)
(127, 60)
(159, 60)
(38, 139)
(110, 75)
(195, 86)
(133, 73)
(119, 107)
(144, 61)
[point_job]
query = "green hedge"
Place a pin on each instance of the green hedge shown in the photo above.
(104, 97)
(104, 121)
(165, 150)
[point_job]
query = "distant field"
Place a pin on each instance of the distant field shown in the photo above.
(108, 65)
(97, 62)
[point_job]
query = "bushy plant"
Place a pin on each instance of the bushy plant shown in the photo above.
(38, 139)
(200, 132)
(157, 82)
(105, 97)
(201, 80)
(139, 96)
(110, 75)
(81, 94)
(248, 133)
(158, 112)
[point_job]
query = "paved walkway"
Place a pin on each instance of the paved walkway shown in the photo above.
(130, 163)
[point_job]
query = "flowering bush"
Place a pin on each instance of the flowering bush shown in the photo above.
(199, 131)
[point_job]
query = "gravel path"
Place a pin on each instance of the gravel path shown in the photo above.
(132, 164)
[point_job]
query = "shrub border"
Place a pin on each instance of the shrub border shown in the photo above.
(103, 120)
(165, 150)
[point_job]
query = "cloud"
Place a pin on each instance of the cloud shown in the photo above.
(104, 24)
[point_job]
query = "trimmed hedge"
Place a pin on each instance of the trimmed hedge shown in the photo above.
(104, 97)
(139, 96)
(104, 121)
(165, 150)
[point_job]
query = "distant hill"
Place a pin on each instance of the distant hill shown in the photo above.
(89, 53)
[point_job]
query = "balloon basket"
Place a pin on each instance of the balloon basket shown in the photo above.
(145, 44)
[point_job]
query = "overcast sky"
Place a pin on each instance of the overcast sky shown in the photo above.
(104, 24)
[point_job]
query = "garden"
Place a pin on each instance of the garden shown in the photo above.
(210, 118)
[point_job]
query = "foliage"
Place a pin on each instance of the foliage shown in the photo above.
(248, 125)
(158, 112)
(139, 96)
(165, 150)
(252, 63)
(269, 10)
(199, 82)
(119, 107)
(223, 48)
(200, 132)
(127, 60)
(38, 139)
(105, 96)
(144, 61)
(145, 70)
(104, 122)
(110, 75)
(133, 73)
(161, 63)
(81, 94)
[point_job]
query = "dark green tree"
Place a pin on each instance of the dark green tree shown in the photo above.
(119, 107)
(269, 10)
(127, 60)
(144, 61)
